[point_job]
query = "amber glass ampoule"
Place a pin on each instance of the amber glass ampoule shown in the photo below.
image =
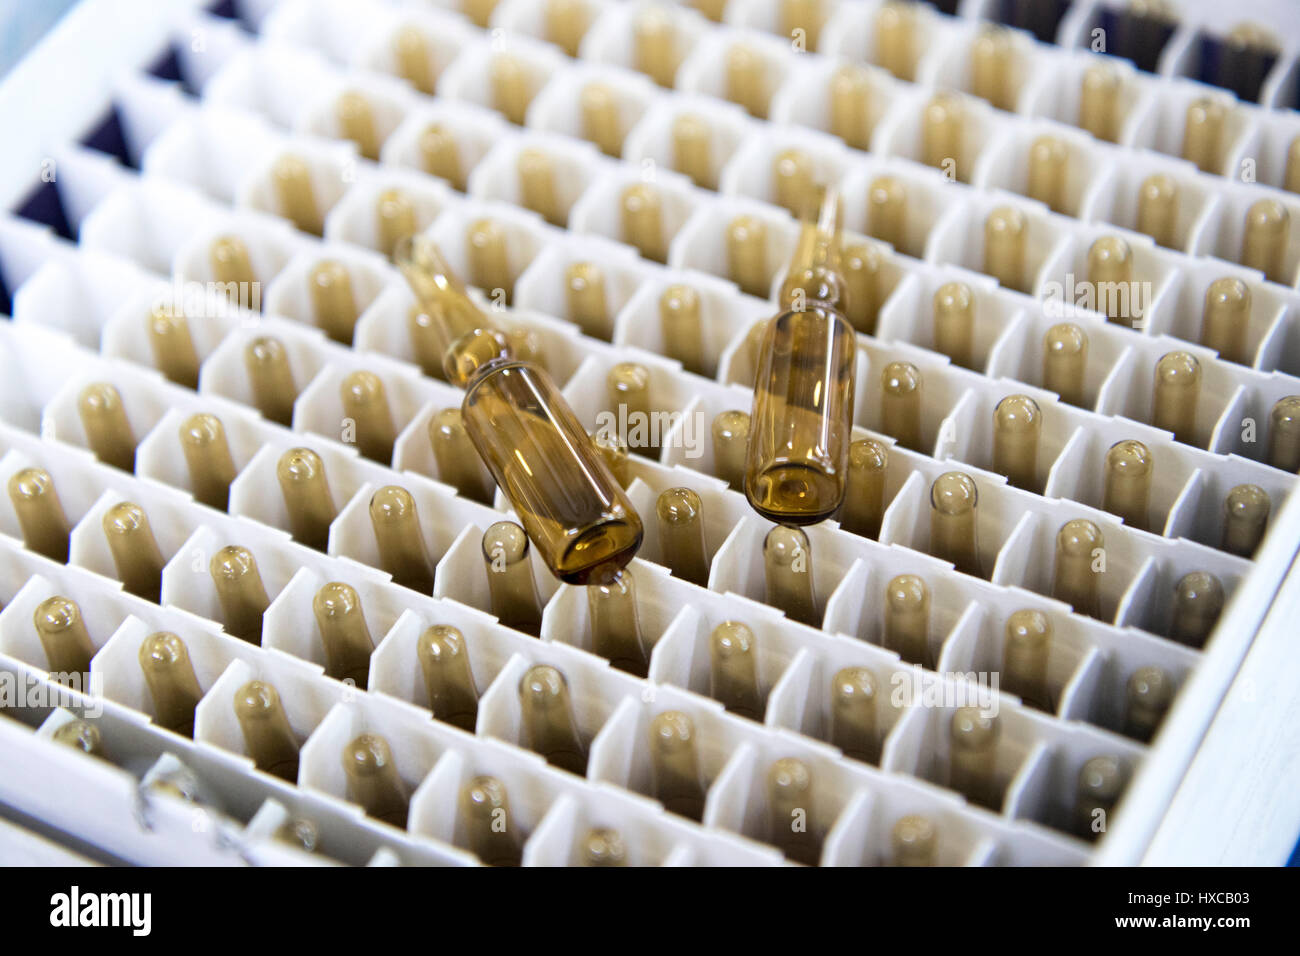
(511, 588)
(444, 661)
(40, 513)
(169, 674)
(615, 624)
(796, 471)
(676, 780)
(268, 736)
(549, 721)
(568, 501)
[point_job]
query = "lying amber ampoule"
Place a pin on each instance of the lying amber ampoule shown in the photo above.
(489, 827)
(796, 471)
(373, 780)
(268, 736)
(570, 504)
(1198, 601)
(675, 777)
(733, 669)
(511, 588)
(169, 675)
(40, 513)
(548, 719)
(208, 459)
(240, 592)
(444, 661)
(343, 633)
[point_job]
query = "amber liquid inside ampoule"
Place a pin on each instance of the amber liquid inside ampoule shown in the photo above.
(797, 464)
(574, 510)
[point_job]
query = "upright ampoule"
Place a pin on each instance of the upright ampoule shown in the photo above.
(733, 669)
(511, 589)
(788, 572)
(240, 592)
(169, 675)
(268, 736)
(797, 466)
(343, 633)
(676, 780)
(444, 661)
(40, 513)
(615, 622)
(549, 724)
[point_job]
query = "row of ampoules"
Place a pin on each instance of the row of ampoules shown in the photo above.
(310, 508)
(550, 729)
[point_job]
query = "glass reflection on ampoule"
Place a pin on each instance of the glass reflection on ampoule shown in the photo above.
(1198, 601)
(790, 809)
(733, 669)
(63, 636)
(169, 675)
(208, 459)
(511, 587)
(108, 433)
(676, 779)
(44, 524)
(300, 833)
(240, 592)
(270, 378)
(1080, 559)
(268, 736)
(954, 521)
(854, 702)
(787, 563)
(343, 633)
(681, 534)
(80, 734)
(373, 780)
(549, 724)
(307, 498)
(489, 826)
(1097, 790)
(135, 551)
(444, 661)
(615, 622)
(973, 744)
(907, 618)
(402, 552)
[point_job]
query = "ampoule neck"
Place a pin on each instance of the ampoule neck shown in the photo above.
(815, 277)
(471, 344)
